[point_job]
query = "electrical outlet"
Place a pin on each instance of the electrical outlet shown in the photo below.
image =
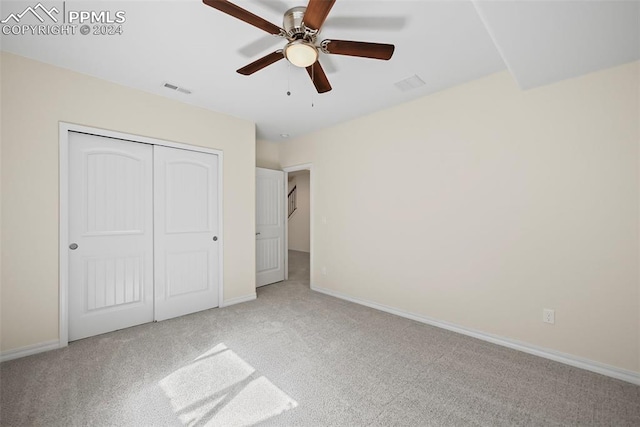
(324, 271)
(548, 316)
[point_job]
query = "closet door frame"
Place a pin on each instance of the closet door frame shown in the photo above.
(63, 237)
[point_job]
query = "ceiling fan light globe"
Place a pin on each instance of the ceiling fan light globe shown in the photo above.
(301, 54)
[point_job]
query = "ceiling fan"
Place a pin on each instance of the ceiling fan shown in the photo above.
(301, 28)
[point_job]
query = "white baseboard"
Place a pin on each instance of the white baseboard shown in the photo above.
(568, 359)
(16, 353)
(238, 300)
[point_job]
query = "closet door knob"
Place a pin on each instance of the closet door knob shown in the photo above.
(73, 246)
(215, 238)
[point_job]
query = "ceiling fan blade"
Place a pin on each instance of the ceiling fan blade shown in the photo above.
(243, 15)
(319, 78)
(316, 13)
(361, 49)
(261, 63)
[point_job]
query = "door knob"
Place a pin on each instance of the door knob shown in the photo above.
(215, 238)
(73, 246)
(257, 234)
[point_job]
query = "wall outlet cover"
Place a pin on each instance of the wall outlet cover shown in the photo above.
(548, 316)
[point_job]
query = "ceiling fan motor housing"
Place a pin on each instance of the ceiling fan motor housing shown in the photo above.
(301, 50)
(292, 23)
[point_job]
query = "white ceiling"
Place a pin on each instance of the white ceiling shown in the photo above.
(444, 42)
(543, 42)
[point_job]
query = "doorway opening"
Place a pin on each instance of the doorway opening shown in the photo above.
(299, 224)
(299, 266)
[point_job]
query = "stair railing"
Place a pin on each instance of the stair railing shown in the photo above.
(292, 201)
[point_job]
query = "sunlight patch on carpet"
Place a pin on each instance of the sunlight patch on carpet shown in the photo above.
(219, 388)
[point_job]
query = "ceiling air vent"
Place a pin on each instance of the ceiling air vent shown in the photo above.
(178, 88)
(409, 83)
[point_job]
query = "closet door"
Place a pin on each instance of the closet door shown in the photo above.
(110, 234)
(185, 231)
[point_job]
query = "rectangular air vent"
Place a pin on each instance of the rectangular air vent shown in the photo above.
(409, 83)
(178, 88)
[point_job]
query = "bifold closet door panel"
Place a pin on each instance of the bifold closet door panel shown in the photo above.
(186, 231)
(110, 234)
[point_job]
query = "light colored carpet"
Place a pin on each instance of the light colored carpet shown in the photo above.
(299, 358)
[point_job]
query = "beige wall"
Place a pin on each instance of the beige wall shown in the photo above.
(483, 204)
(299, 222)
(35, 97)
(267, 155)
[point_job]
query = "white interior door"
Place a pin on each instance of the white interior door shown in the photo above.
(269, 226)
(110, 234)
(186, 232)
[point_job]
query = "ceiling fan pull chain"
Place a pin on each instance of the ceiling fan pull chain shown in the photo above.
(288, 79)
(313, 79)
